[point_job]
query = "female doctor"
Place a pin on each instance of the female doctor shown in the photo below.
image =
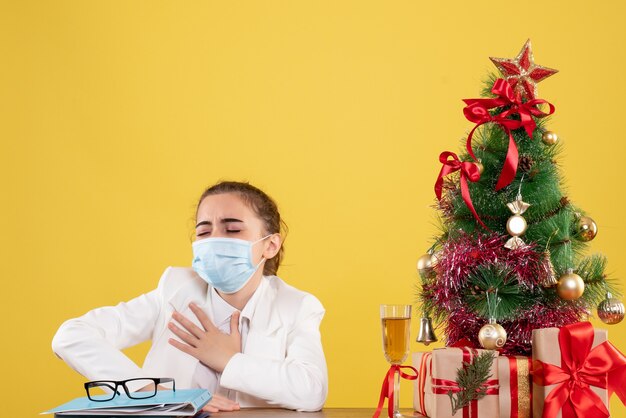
(228, 324)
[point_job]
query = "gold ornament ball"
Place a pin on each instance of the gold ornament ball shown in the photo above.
(516, 225)
(586, 229)
(549, 138)
(570, 286)
(425, 264)
(611, 310)
(492, 336)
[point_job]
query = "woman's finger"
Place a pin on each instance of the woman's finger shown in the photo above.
(220, 403)
(209, 408)
(202, 317)
(230, 407)
(223, 403)
(183, 347)
(221, 400)
(234, 325)
(188, 325)
(185, 336)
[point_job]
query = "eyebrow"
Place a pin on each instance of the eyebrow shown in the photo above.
(223, 221)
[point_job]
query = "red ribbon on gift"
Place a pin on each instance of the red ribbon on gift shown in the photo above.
(469, 171)
(514, 384)
(477, 111)
(463, 342)
(387, 390)
(603, 366)
(444, 386)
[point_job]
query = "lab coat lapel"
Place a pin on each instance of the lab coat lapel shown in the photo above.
(179, 364)
(175, 363)
(264, 336)
(266, 319)
(180, 301)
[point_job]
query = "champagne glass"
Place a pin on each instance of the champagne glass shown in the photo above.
(396, 321)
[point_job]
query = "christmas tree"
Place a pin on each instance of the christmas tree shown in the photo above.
(511, 254)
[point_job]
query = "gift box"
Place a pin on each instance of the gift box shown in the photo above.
(575, 370)
(422, 387)
(437, 379)
(515, 380)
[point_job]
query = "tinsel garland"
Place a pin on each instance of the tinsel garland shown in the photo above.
(459, 256)
(464, 324)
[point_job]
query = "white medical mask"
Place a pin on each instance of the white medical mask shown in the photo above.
(225, 263)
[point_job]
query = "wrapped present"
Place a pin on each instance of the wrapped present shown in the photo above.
(423, 391)
(575, 371)
(445, 363)
(514, 377)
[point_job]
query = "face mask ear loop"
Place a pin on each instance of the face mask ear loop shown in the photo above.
(261, 239)
(255, 242)
(263, 260)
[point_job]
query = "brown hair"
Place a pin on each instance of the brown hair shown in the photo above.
(264, 207)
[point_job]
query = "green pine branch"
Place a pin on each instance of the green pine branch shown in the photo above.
(592, 270)
(492, 280)
(472, 379)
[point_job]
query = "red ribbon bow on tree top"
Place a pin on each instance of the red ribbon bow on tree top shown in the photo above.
(477, 111)
(581, 367)
(468, 170)
(387, 390)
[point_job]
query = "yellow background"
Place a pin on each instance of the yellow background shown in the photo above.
(115, 115)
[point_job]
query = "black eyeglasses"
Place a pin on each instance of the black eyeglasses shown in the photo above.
(148, 385)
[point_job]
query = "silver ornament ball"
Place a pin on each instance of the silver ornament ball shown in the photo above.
(611, 310)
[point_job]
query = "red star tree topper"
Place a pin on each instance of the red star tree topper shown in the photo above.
(522, 73)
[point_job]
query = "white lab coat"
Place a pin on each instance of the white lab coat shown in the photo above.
(282, 363)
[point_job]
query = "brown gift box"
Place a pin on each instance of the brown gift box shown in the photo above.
(515, 379)
(445, 363)
(423, 398)
(546, 348)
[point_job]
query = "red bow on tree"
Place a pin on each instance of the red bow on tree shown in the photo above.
(581, 367)
(468, 170)
(477, 111)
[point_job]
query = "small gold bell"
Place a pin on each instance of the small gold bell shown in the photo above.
(426, 333)
(550, 279)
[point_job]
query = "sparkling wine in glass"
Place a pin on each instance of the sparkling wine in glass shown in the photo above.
(396, 322)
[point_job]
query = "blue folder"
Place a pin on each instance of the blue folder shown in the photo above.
(166, 403)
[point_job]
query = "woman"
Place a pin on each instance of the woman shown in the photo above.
(228, 324)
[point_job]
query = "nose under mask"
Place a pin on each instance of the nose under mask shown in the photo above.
(225, 263)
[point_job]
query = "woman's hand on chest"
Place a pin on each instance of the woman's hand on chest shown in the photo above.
(209, 345)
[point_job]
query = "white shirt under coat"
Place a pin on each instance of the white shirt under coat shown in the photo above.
(205, 377)
(282, 362)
